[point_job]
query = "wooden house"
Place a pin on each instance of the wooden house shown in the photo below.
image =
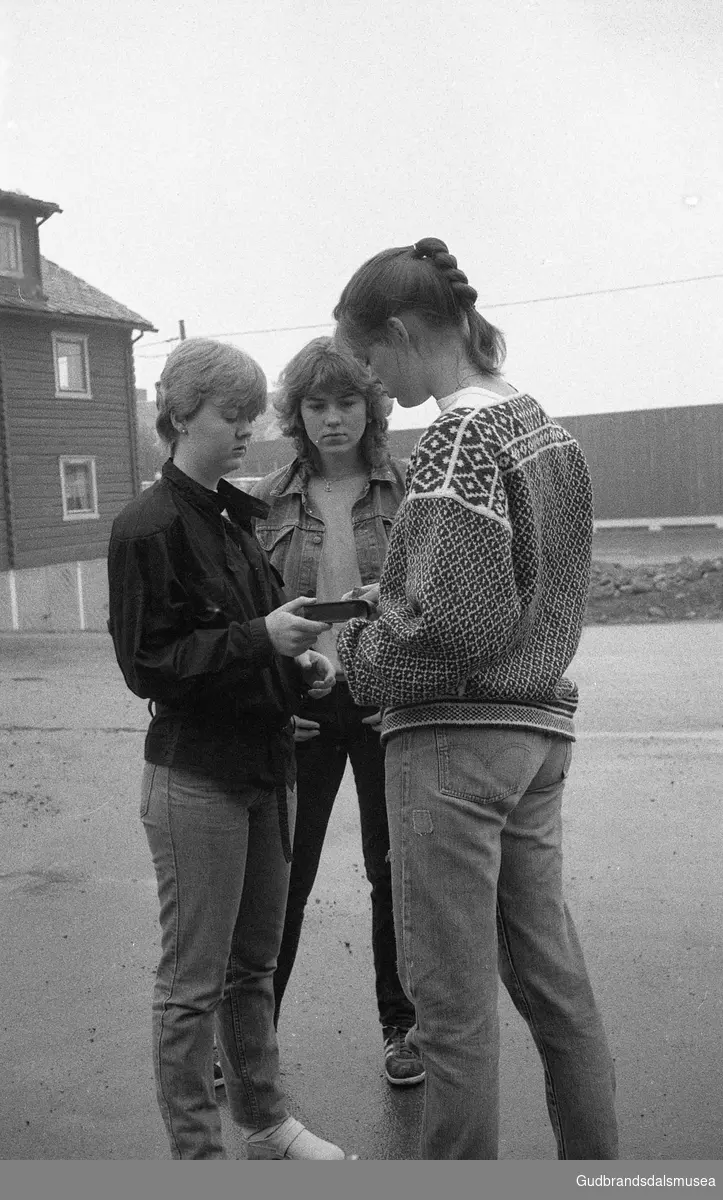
(68, 442)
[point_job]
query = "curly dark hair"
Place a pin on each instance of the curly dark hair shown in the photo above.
(322, 365)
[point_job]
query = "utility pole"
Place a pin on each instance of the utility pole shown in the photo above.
(182, 330)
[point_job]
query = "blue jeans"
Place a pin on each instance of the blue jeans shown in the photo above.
(320, 765)
(222, 883)
(476, 836)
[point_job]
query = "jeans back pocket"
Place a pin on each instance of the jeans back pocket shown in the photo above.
(482, 765)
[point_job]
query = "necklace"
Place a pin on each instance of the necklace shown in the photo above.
(347, 479)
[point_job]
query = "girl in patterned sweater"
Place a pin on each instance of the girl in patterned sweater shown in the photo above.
(481, 603)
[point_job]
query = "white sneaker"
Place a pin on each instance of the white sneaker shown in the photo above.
(290, 1139)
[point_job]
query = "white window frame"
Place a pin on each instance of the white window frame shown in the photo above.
(19, 247)
(73, 460)
(65, 393)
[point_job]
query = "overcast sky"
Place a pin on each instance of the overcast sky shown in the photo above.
(231, 163)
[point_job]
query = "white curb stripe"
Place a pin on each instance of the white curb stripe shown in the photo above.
(81, 607)
(14, 615)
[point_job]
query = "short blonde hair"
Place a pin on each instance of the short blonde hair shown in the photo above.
(200, 368)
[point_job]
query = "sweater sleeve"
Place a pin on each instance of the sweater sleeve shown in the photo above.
(449, 600)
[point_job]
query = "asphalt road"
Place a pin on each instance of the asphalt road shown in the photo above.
(80, 937)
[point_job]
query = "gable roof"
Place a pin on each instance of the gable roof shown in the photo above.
(67, 295)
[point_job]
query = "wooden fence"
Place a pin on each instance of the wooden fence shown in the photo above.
(649, 466)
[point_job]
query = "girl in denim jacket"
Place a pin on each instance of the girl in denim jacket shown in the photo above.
(326, 533)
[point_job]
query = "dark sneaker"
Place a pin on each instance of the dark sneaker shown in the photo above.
(402, 1065)
(217, 1072)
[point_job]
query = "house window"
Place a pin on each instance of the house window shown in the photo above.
(70, 355)
(78, 488)
(11, 259)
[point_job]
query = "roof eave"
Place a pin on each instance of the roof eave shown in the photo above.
(38, 310)
(43, 208)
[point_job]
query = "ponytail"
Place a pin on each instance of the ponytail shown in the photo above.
(425, 279)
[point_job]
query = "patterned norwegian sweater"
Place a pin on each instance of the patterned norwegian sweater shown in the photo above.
(485, 582)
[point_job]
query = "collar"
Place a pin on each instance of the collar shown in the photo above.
(294, 478)
(477, 397)
(239, 505)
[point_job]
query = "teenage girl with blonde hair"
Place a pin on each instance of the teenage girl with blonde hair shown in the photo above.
(203, 630)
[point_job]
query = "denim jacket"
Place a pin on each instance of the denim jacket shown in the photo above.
(293, 537)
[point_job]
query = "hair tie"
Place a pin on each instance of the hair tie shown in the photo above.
(428, 247)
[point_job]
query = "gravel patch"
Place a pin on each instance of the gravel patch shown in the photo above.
(687, 590)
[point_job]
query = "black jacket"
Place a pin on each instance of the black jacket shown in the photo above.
(189, 590)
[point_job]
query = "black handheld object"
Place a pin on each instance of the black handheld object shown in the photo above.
(336, 611)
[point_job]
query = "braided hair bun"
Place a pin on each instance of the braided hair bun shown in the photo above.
(436, 250)
(422, 279)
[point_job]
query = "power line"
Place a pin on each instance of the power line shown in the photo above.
(632, 287)
(246, 333)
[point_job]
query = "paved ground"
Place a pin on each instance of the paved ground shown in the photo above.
(80, 937)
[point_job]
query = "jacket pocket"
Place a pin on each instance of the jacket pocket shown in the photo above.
(276, 542)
